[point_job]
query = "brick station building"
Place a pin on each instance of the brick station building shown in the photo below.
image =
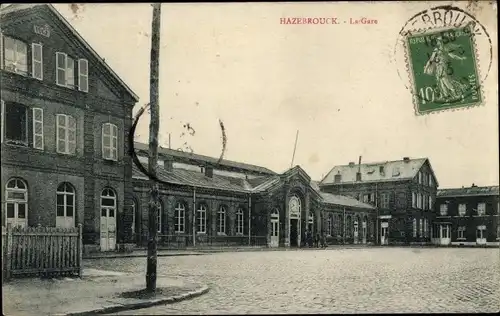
(467, 216)
(65, 119)
(402, 191)
(210, 202)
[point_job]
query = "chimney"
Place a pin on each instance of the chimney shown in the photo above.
(406, 159)
(473, 185)
(351, 164)
(209, 171)
(381, 170)
(358, 176)
(168, 164)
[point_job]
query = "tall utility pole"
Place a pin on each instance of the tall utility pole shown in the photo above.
(154, 126)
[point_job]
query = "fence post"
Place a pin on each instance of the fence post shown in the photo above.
(8, 252)
(80, 250)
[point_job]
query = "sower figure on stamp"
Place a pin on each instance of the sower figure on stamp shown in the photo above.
(439, 65)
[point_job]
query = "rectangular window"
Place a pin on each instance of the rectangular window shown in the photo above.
(419, 200)
(15, 123)
(37, 61)
(430, 203)
(461, 232)
(481, 209)
(385, 200)
(420, 177)
(65, 70)
(38, 128)
(83, 75)
(15, 55)
(109, 141)
(414, 227)
(366, 198)
(414, 200)
(66, 134)
(443, 210)
(202, 221)
(462, 209)
(421, 227)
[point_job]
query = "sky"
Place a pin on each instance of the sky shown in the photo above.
(338, 85)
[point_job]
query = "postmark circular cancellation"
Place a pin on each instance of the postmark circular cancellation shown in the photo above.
(444, 55)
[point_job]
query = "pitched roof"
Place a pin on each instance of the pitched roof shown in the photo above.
(195, 179)
(27, 6)
(185, 156)
(371, 172)
(340, 200)
(468, 191)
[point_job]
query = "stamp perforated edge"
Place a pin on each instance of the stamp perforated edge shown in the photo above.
(409, 71)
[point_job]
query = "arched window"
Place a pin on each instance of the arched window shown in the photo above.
(414, 227)
(221, 221)
(160, 217)
(239, 221)
(339, 225)
(65, 205)
(329, 225)
(275, 214)
(133, 225)
(294, 207)
(16, 200)
(201, 219)
(180, 218)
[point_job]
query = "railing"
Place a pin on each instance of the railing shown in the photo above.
(45, 251)
(183, 241)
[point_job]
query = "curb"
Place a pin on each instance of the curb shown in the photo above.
(124, 307)
(142, 255)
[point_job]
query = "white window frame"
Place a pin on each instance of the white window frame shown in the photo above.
(65, 68)
(426, 231)
(240, 224)
(430, 202)
(180, 218)
(462, 209)
(4, 125)
(34, 62)
(201, 219)
(461, 232)
(24, 71)
(159, 218)
(221, 221)
(65, 194)
(110, 195)
(83, 76)
(414, 227)
(481, 208)
(414, 200)
(421, 227)
(16, 221)
(443, 209)
(39, 122)
(66, 139)
(113, 142)
(420, 177)
(419, 200)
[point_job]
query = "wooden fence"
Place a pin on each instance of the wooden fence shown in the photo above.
(43, 251)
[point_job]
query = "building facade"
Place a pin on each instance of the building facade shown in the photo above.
(65, 119)
(403, 193)
(467, 216)
(204, 201)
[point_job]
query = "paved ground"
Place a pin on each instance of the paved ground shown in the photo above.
(97, 290)
(332, 281)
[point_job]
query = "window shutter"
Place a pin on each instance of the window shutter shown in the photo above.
(61, 69)
(71, 134)
(3, 119)
(106, 141)
(114, 141)
(38, 128)
(1, 50)
(83, 75)
(37, 61)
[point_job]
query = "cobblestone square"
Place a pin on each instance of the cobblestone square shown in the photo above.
(370, 280)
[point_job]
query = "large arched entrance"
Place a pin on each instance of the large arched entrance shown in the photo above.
(294, 211)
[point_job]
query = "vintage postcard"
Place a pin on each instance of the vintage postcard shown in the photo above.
(249, 158)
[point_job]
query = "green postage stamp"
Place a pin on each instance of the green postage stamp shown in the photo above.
(443, 69)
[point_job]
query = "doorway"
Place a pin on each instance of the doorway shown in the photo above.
(384, 238)
(481, 235)
(445, 234)
(275, 220)
(294, 232)
(356, 232)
